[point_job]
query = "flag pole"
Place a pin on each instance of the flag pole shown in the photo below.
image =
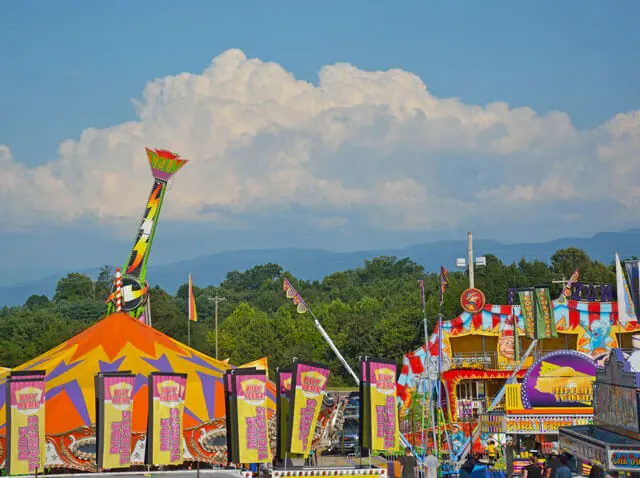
(426, 382)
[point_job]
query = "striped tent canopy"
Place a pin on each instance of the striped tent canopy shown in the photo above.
(120, 342)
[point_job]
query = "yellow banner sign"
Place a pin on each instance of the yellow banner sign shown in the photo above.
(25, 424)
(309, 385)
(253, 433)
(116, 393)
(383, 411)
(167, 392)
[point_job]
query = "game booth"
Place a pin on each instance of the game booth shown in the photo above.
(612, 442)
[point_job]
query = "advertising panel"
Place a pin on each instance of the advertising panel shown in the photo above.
(539, 425)
(559, 379)
(616, 405)
(594, 452)
(381, 406)
(166, 408)
(309, 382)
(624, 459)
(114, 394)
(25, 422)
(250, 390)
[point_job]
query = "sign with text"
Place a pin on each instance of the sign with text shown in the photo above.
(624, 460)
(250, 391)
(166, 408)
(593, 452)
(615, 394)
(541, 424)
(25, 422)
(309, 382)
(380, 405)
(114, 396)
(563, 378)
(616, 406)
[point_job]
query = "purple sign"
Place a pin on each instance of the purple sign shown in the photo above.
(560, 379)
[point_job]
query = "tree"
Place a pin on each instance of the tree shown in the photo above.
(35, 302)
(74, 286)
(103, 284)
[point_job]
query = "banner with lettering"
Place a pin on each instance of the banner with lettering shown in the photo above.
(250, 392)
(114, 395)
(166, 408)
(545, 323)
(25, 395)
(381, 407)
(283, 403)
(308, 385)
(527, 304)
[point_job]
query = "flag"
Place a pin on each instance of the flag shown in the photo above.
(566, 291)
(444, 283)
(527, 299)
(421, 285)
(291, 293)
(633, 276)
(545, 323)
(193, 313)
(626, 311)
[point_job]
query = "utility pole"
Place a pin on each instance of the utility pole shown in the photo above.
(470, 259)
(217, 300)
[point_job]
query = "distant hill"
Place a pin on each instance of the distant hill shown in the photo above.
(315, 264)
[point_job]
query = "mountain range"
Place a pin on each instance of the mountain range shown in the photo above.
(315, 264)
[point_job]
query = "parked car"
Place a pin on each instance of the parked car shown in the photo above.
(348, 439)
(352, 408)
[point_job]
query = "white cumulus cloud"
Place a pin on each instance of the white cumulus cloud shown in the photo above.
(371, 144)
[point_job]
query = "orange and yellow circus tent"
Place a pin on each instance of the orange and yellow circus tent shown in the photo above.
(120, 342)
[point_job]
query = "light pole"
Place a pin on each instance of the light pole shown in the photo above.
(462, 263)
(217, 300)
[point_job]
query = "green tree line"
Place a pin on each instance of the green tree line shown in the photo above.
(371, 310)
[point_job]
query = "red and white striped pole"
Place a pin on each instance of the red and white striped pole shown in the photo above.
(118, 290)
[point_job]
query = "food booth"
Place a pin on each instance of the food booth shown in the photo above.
(555, 392)
(613, 440)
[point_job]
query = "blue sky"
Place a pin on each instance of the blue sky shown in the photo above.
(72, 65)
